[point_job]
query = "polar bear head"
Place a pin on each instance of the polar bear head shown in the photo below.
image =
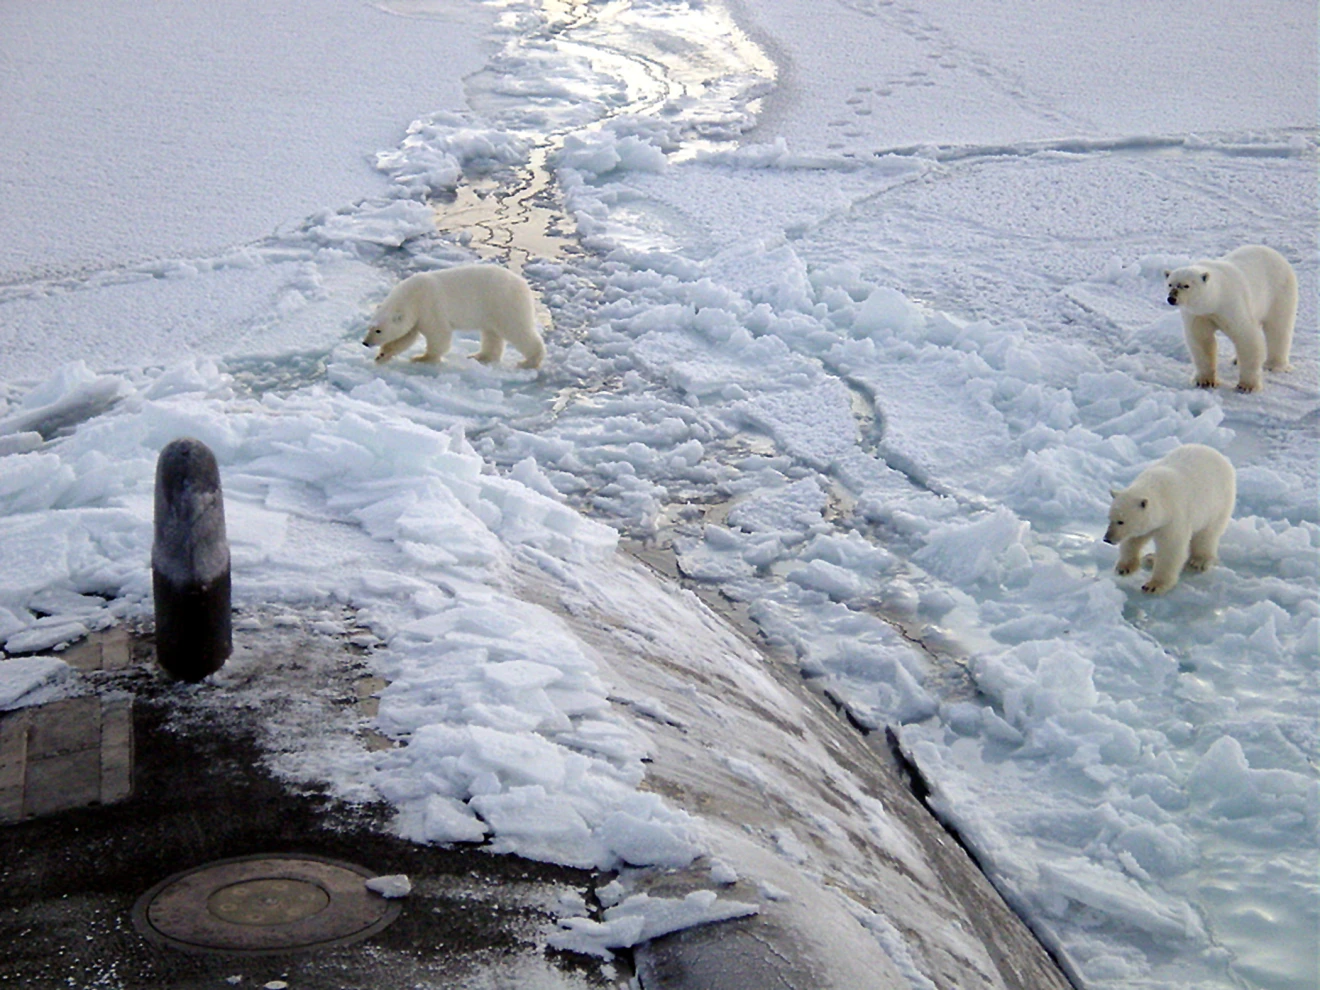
(1131, 514)
(1191, 288)
(396, 316)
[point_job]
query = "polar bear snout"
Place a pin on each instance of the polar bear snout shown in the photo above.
(1173, 299)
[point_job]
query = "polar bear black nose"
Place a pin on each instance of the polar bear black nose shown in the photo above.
(1173, 299)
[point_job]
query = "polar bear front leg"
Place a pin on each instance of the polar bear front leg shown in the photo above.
(1171, 548)
(1199, 333)
(393, 347)
(492, 347)
(533, 353)
(1129, 554)
(437, 346)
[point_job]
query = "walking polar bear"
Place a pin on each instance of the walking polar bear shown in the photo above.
(1251, 295)
(1183, 502)
(432, 305)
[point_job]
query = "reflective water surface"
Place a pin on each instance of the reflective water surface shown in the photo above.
(687, 65)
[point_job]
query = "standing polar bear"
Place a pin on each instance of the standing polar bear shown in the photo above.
(1251, 295)
(433, 305)
(1183, 502)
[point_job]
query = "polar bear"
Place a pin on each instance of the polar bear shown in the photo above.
(433, 305)
(1251, 295)
(1183, 502)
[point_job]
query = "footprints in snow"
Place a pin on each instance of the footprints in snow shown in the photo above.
(861, 103)
(945, 54)
(865, 101)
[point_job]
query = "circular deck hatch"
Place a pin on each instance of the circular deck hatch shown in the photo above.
(264, 905)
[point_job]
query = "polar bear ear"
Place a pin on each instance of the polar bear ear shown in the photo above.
(1113, 493)
(1167, 273)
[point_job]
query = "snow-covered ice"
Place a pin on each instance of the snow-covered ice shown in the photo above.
(34, 680)
(866, 322)
(393, 886)
(641, 917)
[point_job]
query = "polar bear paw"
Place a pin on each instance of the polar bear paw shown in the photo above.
(1157, 586)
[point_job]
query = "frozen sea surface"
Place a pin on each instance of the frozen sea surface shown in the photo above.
(862, 341)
